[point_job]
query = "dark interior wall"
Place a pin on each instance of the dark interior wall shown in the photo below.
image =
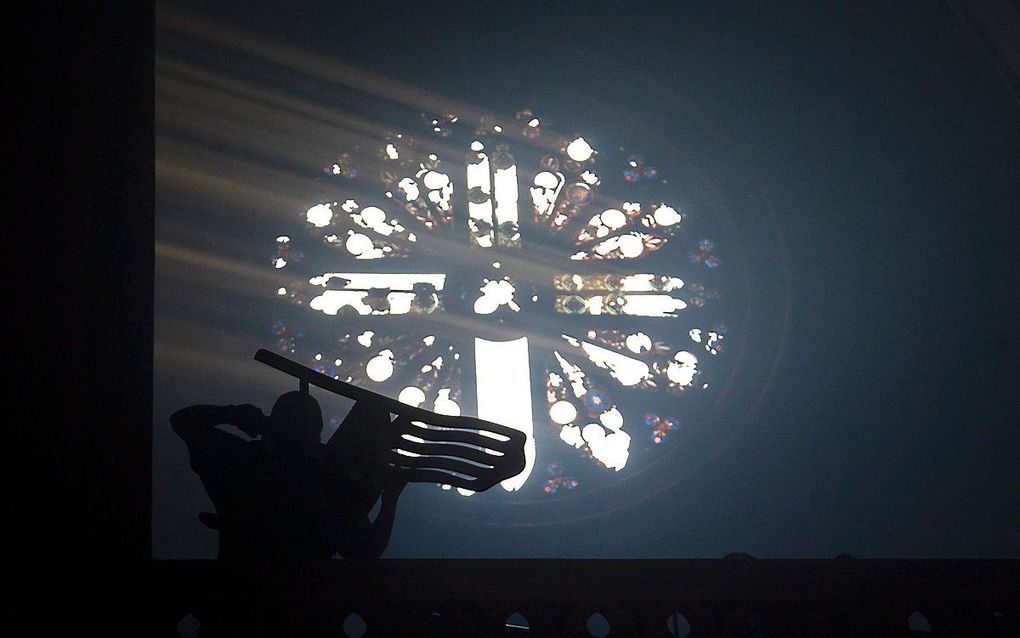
(80, 166)
(89, 135)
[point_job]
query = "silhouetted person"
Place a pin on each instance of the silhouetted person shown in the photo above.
(284, 496)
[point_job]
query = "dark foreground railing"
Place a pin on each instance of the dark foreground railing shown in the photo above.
(729, 597)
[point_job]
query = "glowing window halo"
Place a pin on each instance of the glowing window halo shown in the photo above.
(495, 263)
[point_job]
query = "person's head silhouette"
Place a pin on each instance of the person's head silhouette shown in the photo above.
(296, 420)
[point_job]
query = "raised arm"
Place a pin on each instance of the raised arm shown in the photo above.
(194, 421)
(372, 542)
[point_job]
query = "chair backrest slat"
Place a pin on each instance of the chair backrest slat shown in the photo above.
(462, 451)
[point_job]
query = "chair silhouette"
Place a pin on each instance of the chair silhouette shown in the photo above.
(426, 447)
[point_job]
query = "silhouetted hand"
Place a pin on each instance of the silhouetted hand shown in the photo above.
(362, 443)
(393, 484)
